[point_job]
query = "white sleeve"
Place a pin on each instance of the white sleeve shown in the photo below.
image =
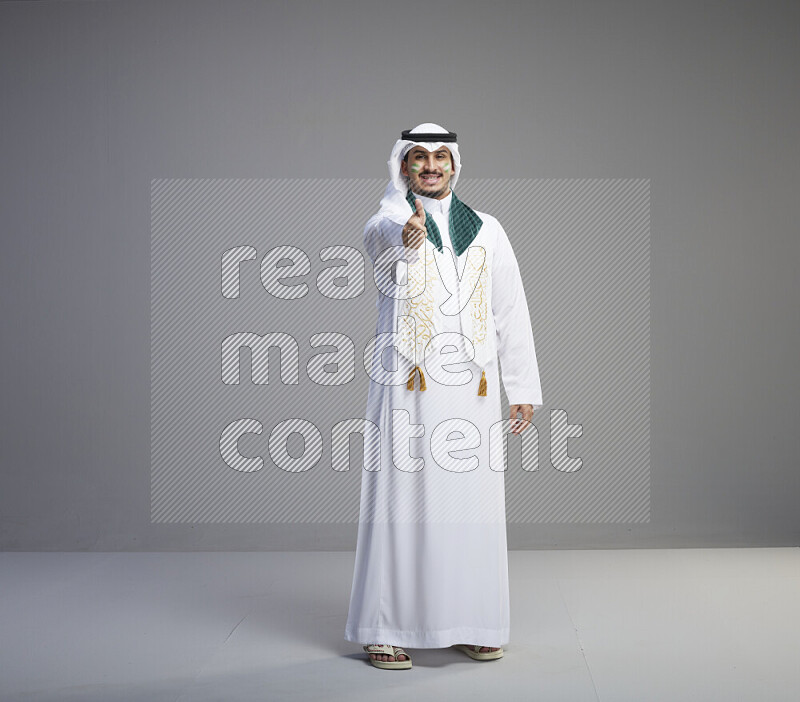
(520, 371)
(380, 233)
(384, 230)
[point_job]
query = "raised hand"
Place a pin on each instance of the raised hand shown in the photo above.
(414, 232)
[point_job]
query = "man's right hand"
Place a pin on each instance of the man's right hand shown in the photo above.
(414, 232)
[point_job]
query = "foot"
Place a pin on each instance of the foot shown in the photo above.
(384, 657)
(484, 649)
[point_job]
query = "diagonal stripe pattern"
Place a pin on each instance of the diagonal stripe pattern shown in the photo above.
(583, 246)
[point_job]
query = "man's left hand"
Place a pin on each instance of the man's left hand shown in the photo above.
(520, 425)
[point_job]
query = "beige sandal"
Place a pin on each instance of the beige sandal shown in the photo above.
(389, 651)
(474, 652)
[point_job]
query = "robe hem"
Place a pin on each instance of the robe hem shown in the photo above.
(439, 638)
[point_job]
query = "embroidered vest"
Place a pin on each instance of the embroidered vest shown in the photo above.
(419, 316)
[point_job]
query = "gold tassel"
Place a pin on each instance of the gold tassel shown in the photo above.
(410, 383)
(482, 385)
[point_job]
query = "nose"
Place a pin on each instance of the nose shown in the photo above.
(430, 164)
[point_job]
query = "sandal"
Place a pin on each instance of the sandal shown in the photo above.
(389, 651)
(474, 652)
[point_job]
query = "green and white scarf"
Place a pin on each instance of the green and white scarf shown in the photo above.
(464, 224)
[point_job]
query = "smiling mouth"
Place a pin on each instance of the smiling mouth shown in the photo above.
(430, 179)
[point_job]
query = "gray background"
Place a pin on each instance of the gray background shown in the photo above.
(584, 248)
(99, 98)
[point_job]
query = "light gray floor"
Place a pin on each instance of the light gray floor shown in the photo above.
(644, 625)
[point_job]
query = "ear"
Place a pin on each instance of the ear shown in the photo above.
(404, 168)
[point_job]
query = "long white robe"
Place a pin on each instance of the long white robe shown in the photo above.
(431, 565)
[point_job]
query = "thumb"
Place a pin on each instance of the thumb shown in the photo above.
(420, 209)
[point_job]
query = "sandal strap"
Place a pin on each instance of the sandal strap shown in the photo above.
(388, 649)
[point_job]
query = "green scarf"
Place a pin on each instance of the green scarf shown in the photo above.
(464, 224)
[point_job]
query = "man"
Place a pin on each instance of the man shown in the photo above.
(431, 560)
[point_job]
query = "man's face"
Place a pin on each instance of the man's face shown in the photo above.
(429, 171)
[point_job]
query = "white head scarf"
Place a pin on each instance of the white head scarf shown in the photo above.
(425, 284)
(394, 197)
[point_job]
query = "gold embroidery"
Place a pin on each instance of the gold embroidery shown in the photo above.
(422, 298)
(478, 310)
(420, 304)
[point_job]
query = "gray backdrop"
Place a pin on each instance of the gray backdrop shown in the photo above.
(698, 100)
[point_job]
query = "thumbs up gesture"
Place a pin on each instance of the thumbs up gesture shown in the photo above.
(414, 232)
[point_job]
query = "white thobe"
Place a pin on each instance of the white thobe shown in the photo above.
(431, 566)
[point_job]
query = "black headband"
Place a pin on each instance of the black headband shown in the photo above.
(408, 136)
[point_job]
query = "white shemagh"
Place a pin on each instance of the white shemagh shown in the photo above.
(419, 313)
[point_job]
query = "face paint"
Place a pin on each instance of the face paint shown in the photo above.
(433, 162)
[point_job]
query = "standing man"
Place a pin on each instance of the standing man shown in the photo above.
(431, 566)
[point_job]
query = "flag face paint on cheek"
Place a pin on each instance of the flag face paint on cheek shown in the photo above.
(415, 167)
(446, 167)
